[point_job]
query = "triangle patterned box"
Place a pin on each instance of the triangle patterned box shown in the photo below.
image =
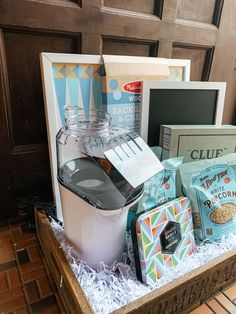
(162, 238)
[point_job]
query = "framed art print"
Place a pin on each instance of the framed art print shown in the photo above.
(78, 80)
(68, 79)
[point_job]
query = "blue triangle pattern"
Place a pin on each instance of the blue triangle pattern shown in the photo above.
(60, 87)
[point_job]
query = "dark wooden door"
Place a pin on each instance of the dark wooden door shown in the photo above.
(203, 31)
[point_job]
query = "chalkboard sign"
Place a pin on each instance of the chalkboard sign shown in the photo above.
(179, 103)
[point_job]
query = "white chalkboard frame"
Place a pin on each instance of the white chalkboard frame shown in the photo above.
(147, 86)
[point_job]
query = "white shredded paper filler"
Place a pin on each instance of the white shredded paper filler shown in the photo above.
(109, 288)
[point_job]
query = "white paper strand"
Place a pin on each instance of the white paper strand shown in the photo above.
(119, 284)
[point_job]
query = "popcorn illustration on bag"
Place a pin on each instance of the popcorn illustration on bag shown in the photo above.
(224, 214)
(211, 187)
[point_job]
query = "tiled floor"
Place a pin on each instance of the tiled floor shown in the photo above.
(27, 287)
(222, 303)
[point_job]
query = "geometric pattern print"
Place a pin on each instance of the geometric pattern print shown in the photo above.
(78, 85)
(75, 70)
(149, 225)
(176, 73)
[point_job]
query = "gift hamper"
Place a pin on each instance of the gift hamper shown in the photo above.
(136, 231)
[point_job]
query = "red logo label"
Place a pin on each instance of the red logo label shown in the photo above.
(133, 87)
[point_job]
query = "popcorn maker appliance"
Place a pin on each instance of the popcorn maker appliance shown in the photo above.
(95, 196)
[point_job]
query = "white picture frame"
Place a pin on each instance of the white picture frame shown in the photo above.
(51, 107)
(54, 119)
(147, 86)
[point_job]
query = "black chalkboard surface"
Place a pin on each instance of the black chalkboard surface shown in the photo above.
(180, 106)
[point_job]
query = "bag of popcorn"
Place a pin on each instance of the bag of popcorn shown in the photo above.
(211, 186)
(159, 189)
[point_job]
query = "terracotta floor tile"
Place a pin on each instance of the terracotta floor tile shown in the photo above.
(6, 246)
(44, 286)
(5, 235)
(21, 261)
(216, 307)
(34, 275)
(231, 293)
(202, 309)
(25, 243)
(32, 292)
(44, 306)
(225, 302)
(16, 233)
(10, 295)
(33, 253)
(6, 251)
(22, 310)
(52, 309)
(13, 305)
(30, 266)
(8, 265)
(14, 277)
(4, 285)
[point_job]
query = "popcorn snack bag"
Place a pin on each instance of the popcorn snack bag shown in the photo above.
(211, 186)
(161, 188)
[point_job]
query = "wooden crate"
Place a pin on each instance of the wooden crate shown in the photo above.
(180, 296)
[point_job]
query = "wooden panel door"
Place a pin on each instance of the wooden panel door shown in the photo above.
(203, 31)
